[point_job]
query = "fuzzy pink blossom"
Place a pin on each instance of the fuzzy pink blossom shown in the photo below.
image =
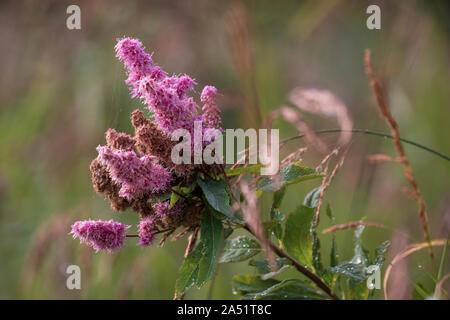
(182, 85)
(162, 209)
(165, 96)
(172, 108)
(136, 175)
(100, 235)
(138, 63)
(147, 231)
(208, 95)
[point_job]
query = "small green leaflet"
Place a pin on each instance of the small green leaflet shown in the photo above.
(275, 213)
(173, 199)
(253, 168)
(289, 175)
(244, 283)
(312, 198)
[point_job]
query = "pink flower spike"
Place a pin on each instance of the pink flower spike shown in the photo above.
(136, 175)
(147, 231)
(211, 113)
(208, 95)
(100, 235)
(162, 209)
(138, 63)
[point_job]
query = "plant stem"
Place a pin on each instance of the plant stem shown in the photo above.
(374, 133)
(322, 285)
(137, 236)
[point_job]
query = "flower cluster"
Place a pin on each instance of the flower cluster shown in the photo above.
(137, 171)
(135, 174)
(100, 235)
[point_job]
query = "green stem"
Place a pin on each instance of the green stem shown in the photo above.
(374, 133)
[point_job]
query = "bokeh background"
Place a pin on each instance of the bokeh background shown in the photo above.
(61, 89)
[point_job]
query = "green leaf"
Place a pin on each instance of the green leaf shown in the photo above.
(420, 292)
(244, 284)
(217, 195)
(289, 175)
(211, 237)
(312, 198)
(356, 268)
(236, 218)
(253, 168)
(187, 189)
(173, 200)
(188, 273)
(316, 257)
(443, 257)
(329, 213)
(240, 249)
(359, 291)
(254, 288)
(334, 256)
(379, 253)
(354, 271)
(273, 227)
(276, 215)
(263, 265)
(297, 237)
(163, 197)
(227, 232)
(325, 274)
(360, 255)
(278, 198)
(289, 289)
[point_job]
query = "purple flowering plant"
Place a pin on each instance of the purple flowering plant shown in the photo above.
(208, 202)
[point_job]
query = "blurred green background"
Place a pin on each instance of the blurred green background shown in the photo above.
(61, 89)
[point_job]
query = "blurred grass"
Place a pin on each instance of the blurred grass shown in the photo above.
(60, 90)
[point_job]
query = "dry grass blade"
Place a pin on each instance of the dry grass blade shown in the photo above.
(402, 255)
(191, 242)
(252, 218)
(293, 117)
(409, 193)
(323, 102)
(238, 35)
(378, 157)
(326, 159)
(293, 157)
(441, 284)
(352, 225)
(326, 181)
(323, 187)
(386, 113)
(50, 234)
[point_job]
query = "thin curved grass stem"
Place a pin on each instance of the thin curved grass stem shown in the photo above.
(373, 133)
